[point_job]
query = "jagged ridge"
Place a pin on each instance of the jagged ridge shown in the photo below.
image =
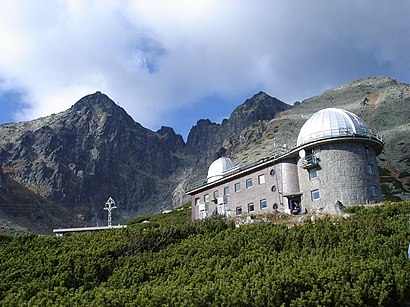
(80, 157)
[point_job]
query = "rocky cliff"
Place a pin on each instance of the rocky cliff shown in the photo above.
(80, 157)
(208, 136)
(206, 139)
(62, 168)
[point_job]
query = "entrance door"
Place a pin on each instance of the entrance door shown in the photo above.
(294, 204)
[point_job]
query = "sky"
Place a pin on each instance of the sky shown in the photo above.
(173, 62)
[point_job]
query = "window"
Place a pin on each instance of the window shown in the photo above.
(315, 195)
(251, 207)
(313, 174)
(237, 187)
(367, 151)
(272, 172)
(261, 179)
(206, 198)
(275, 206)
(273, 189)
(373, 190)
(238, 210)
(263, 204)
(196, 201)
(370, 169)
(202, 214)
(216, 194)
(226, 191)
(249, 183)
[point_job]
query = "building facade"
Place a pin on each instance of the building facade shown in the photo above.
(334, 161)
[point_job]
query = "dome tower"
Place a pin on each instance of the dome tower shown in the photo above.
(338, 160)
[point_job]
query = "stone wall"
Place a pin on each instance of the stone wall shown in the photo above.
(342, 175)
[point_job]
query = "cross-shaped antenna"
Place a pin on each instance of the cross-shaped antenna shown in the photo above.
(109, 205)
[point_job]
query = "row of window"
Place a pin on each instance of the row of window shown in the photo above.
(313, 172)
(315, 194)
(249, 183)
(237, 188)
(251, 207)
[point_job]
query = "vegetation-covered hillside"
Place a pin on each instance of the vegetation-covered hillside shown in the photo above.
(357, 261)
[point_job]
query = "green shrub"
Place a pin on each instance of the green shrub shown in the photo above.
(358, 261)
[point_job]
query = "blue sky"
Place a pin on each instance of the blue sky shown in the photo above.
(172, 62)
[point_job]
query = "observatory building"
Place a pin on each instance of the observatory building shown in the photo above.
(334, 161)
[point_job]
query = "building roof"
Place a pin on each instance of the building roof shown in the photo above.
(332, 122)
(219, 168)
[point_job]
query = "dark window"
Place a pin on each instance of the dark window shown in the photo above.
(238, 210)
(371, 170)
(251, 207)
(226, 191)
(367, 151)
(373, 190)
(206, 198)
(196, 201)
(263, 203)
(216, 194)
(272, 172)
(249, 183)
(273, 188)
(237, 187)
(275, 206)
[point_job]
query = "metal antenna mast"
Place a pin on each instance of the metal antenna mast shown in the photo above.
(109, 205)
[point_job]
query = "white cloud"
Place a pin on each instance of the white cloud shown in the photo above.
(152, 56)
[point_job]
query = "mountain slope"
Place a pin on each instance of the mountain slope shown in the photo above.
(382, 102)
(208, 136)
(206, 139)
(78, 158)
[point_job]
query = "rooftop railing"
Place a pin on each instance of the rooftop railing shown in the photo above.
(338, 132)
(312, 137)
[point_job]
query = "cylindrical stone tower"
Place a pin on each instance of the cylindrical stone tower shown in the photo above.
(338, 160)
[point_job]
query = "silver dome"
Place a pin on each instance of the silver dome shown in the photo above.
(332, 122)
(219, 168)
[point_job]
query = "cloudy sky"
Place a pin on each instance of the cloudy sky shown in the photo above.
(172, 62)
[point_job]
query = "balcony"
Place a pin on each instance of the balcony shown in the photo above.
(309, 162)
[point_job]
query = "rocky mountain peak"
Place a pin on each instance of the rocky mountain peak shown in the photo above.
(80, 157)
(97, 100)
(170, 138)
(206, 139)
(260, 107)
(99, 107)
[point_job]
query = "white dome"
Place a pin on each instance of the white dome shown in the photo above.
(218, 168)
(331, 122)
